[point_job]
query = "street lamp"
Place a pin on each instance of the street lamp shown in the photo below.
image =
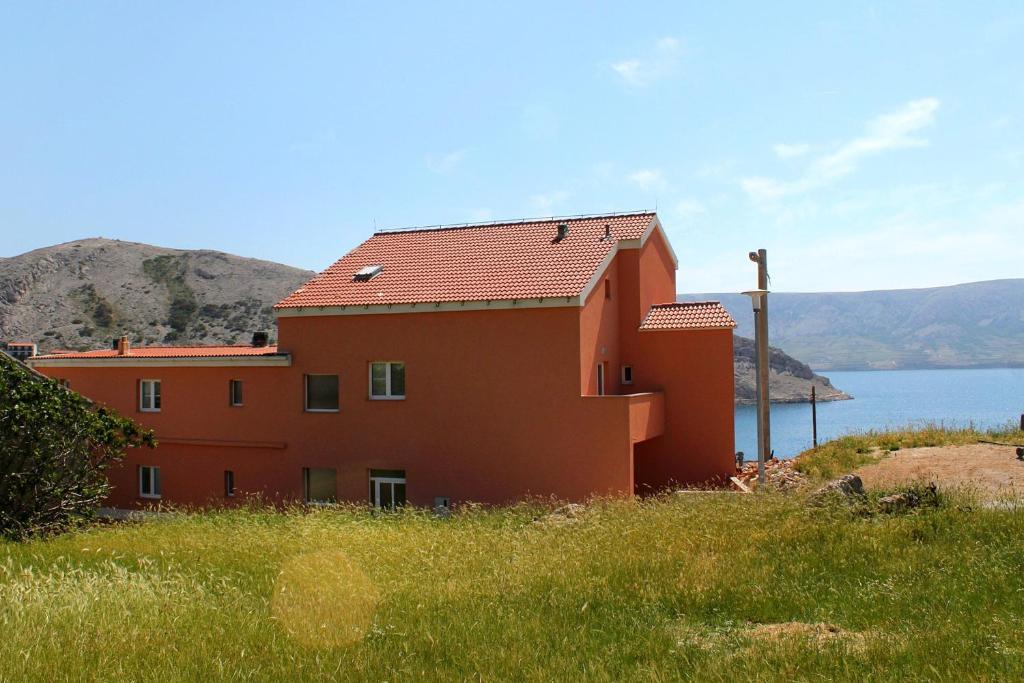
(757, 299)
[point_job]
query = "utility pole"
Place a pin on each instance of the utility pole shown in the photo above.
(814, 417)
(760, 257)
(757, 297)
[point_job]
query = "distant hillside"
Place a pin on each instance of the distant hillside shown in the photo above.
(80, 295)
(980, 324)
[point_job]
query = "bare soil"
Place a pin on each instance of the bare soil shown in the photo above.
(987, 468)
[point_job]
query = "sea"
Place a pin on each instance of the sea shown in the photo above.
(984, 398)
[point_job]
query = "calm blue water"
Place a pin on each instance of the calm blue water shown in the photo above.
(986, 398)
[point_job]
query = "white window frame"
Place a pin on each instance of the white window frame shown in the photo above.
(374, 493)
(149, 470)
(624, 369)
(601, 380)
(305, 392)
(152, 394)
(231, 393)
(388, 396)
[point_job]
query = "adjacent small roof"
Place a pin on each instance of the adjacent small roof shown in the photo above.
(482, 262)
(688, 315)
(167, 352)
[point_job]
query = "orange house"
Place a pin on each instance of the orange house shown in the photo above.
(430, 366)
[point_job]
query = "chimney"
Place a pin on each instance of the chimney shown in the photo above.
(563, 232)
(260, 339)
(124, 347)
(607, 231)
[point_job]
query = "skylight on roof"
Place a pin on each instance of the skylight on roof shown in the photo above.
(367, 272)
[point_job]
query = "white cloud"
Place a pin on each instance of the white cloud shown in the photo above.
(688, 208)
(784, 151)
(545, 203)
(895, 130)
(660, 62)
(648, 179)
(447, 163)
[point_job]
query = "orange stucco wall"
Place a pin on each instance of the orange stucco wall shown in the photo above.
(499, 403)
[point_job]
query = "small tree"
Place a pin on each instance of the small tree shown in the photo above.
(55, 448)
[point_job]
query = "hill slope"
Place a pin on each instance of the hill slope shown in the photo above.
(980, 324)
(81, 294)
(789, 380)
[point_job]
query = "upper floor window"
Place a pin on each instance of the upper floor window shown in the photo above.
(322, 393)
(149, 482)
(235, 392)
(387, 380)
(149, 395)
(627, 374)
(607, 288)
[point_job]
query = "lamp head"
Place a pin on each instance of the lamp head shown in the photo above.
(753, 256)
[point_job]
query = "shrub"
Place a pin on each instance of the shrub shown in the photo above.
(55, 447)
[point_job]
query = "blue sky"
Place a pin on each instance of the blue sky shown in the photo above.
(866, 146)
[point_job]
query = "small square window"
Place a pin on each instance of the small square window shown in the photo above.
(627, 374)
(149, 395)
(322, 393)
(235, 392)
(320, 484)
(149, 481)
(387, 380)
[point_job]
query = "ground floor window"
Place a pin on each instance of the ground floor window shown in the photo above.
(229, 483)
(320, 484)
(387, 489)
(149, 481)
(600, 379)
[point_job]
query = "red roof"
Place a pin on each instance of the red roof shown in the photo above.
(488, 262)
(689, 315)
(168, 352)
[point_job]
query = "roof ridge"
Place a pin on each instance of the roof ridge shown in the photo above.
(687, 303)
(514, 221)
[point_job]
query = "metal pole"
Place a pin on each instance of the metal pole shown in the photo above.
(814, 417)
(760, 427)
(762, 352)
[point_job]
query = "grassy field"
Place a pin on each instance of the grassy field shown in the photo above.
(713, 586)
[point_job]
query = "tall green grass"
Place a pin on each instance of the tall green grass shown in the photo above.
(673, 588)
(839, 456)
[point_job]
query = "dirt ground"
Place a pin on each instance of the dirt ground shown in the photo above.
(988, 468)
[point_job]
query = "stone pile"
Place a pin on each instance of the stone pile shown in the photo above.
(779, 474)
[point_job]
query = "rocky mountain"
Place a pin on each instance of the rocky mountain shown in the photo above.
(81, 294)
(979, 324)
(789, 380)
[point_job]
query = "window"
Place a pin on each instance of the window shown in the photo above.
(229, 483)
(235, 392)
(607, 288)
(322, 393)
(149, 395)
(149, 482)
(600, 379)
(387, 489)
(627, 374)
(387, 380)
(320, 484)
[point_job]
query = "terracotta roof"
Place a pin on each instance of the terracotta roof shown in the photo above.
(168, 352)
(689, 315)
(486, 262)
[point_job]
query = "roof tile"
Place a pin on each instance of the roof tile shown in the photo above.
(521, 260)
(168, 352)
(689, 315)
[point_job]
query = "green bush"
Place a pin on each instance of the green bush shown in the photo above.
(55, 447)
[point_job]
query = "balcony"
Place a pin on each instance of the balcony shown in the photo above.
(644, 413)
